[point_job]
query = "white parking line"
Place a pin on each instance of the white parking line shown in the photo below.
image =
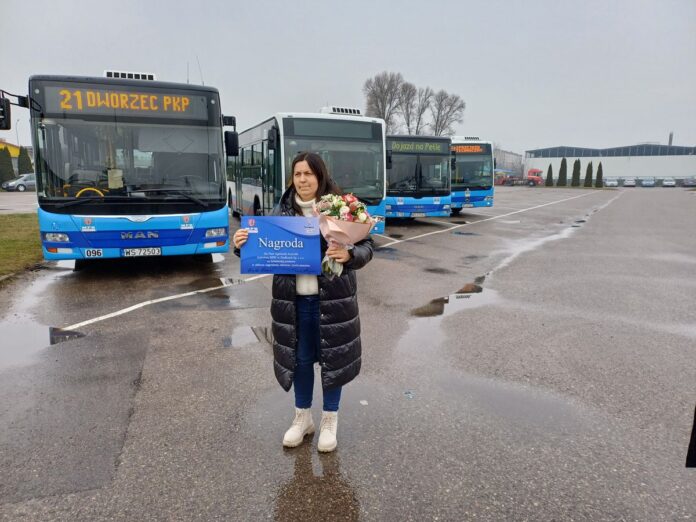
(260, 276)
(155, 301)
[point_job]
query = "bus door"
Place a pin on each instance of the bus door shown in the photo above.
(269, 178)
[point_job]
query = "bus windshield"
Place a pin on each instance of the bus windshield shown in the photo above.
(416, 173)
(473, 171)
(357, 166)
(145, 161)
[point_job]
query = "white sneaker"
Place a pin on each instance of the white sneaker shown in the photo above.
(301, 426)
(328, 429)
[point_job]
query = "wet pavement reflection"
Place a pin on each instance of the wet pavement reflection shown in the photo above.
(326, 495)
(23, 337)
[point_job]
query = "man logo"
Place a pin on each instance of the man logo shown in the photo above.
(88, 221)
(252, 222)
(186, 219)
(140, 235)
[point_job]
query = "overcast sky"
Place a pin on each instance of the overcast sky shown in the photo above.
(532, 73)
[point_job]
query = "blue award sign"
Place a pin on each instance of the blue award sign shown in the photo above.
(281, 245)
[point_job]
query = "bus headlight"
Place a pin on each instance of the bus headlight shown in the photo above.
(216, 232)
(56, 237)
(488, 198)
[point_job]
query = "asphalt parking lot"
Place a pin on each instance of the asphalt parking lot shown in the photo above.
(17, 202)
(534, 360)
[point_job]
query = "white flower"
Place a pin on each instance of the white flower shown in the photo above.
(344, 211)
(362, 217)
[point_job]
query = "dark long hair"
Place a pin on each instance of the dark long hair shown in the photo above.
(326, 183)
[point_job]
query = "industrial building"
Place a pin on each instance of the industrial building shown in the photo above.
(633, 161)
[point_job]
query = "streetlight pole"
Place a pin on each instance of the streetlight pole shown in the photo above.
(17, 129)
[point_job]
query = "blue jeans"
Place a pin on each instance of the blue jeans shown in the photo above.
(308, 346)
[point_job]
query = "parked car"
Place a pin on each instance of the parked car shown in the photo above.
(611, 182)
(629, 182)
(647, 182)
(669, 182)
(689, 182)
(20, 184)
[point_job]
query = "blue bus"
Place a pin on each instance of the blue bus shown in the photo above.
(418, 176)
(128, 167)
(472, 177)
(351, 145)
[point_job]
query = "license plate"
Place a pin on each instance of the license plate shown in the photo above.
(139, 252)
(94, 252)
(418, 214)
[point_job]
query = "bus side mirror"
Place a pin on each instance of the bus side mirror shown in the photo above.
(232, 143)
(229, 121)
(495, 162)
(389, 159)
(5, 114)
(272, 138)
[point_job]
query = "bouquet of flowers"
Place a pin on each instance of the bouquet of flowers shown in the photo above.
(343, 220)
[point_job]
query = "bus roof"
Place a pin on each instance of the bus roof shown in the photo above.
(464, 139)
(315, 115)
(417, 137)
(121, 81)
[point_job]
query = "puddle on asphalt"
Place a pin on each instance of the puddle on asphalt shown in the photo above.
(246, 335)
(22, 336)
(516, 248)
(462, 233)
(437, 270)
(468, 297)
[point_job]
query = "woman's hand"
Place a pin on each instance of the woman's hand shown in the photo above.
(240, 237)
(338, 253)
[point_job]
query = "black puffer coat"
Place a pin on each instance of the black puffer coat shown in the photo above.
(340, 353)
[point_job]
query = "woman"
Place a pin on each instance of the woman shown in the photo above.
(315, 319)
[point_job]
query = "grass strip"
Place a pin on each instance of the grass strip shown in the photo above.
(20, 244)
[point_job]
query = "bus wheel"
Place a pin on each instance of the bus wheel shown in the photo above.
(456, 211)
(203, 258)
(257, 208)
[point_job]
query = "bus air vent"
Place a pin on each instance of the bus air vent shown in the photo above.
(129, 75)
(471, 138)
(341, 110)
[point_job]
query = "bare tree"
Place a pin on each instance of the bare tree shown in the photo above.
(407, 105)
(446, 110)
(423, 100)
(382, 95)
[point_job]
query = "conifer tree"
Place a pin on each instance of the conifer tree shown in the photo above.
(549, 176)
(6, 168)
(599, 182)
(588, 175)
(563, 174)
(575, 180)
(24, 165)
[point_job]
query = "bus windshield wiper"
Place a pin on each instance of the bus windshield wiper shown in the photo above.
(80, 201)
(180, 192)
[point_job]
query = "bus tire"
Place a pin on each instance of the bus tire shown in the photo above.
(257, 207)
(203, 258)
(456, 211)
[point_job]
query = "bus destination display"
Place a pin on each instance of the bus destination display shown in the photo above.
(74, 100)
(471, 149)
(417, 146)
